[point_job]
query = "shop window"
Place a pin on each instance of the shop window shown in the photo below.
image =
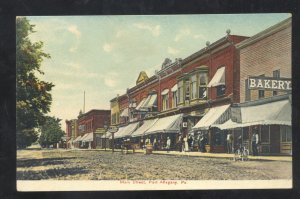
(219, 138)
(246, 133)
(220, 90)
(180, 92)
(276, 74)
(202, 85)
(265, 134)
(174, 99)
(286, 133)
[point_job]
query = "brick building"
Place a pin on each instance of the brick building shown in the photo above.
(89, 124)
(181, 93)
(71, 132)
(266, 109)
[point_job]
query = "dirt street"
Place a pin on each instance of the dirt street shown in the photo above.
(101, 165)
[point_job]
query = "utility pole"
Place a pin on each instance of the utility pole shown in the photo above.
(83, 101)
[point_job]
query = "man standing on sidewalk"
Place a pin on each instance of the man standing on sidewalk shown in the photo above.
(255, 141)
(229, 140)
(168, 144)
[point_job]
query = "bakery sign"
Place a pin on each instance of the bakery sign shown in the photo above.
(270, 83)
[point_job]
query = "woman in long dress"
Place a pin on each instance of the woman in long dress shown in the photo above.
(186, 145)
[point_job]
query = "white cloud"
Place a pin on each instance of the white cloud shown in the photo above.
(110, 79)
(120, 33)
(155, 30)
(197, 36)
(108, 47)
(73, 29)
(182, 33)
(173, 51)
(73, 49)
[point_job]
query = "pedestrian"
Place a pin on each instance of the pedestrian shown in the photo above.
(229, 140)
(255, 141)
(190, 141)
(168, 144)
(142, 143)
(179, 143)
(154, 144)
(186, 145)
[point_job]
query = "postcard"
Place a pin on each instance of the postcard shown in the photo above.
(154, 102)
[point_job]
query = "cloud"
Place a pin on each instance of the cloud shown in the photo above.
(155, 30)
(182, 33)
(73, 29)
(197, 36)
(110, 79)
(173, 51)
(108, 47)
(73, 49)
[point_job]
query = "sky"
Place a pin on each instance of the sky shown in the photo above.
(103, 55)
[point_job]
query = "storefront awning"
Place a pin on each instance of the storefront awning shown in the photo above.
(275, 113)
(170, 124)
(81, 137)
(164, 92)
(127, 130)
(150, 102)
(146, 125)
(218, 79)
(89, 137)
(140, 105)
(215, 115)
(124, 113)
(76, 139)
(108, 135)
(174, 88)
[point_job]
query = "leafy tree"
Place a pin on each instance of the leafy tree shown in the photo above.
(33, 97)
(51, 132)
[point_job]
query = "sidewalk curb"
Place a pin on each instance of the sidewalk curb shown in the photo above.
(204, 155)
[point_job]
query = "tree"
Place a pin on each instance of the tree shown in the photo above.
(51, 132)
(33, 97)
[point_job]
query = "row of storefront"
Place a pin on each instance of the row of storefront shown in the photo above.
(198, 101)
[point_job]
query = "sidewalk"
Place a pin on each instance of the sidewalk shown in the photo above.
(208, 155)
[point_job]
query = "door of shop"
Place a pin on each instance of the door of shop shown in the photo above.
(275, 139)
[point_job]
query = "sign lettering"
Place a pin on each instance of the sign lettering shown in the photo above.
(270, 83)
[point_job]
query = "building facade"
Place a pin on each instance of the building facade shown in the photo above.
(89, 125)
(71, 132)
(186, 88)
(262, 119)
(267, 56)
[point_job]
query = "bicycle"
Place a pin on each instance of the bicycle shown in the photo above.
(241, 153)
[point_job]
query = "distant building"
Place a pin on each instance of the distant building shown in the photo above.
(71, 132)
(89, 124)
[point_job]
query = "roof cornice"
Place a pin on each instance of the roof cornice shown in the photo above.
(265, 33)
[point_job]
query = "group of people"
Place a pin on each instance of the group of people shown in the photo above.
(254, 142)
(157, 144)
(189, 142)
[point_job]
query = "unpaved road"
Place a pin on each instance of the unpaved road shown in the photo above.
(101, 165)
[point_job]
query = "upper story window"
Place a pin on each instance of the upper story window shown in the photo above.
(174, 96)
(218, 81)
(194, 87)
(165, 99)
(180, 91)
(261, 93)
(187, 91)
(202, 85)
(221, 90)
(276, 74)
